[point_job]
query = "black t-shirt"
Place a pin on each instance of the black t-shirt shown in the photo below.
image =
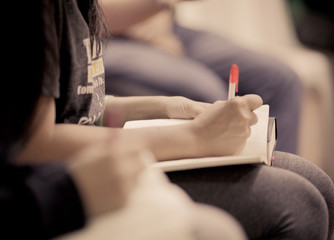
(73, 74)
(42, 201)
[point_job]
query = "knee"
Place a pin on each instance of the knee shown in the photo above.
(286, 81)
(314, 174)
(310, 215)
(290, 81)
(300, 209)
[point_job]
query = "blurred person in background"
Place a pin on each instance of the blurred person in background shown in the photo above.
(157, 56)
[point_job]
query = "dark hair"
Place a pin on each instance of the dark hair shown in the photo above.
(95, 19)
(21, 88)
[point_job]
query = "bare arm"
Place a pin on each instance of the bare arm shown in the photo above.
(52, 141)
(122, 109)
(121, 14)
(220, 129)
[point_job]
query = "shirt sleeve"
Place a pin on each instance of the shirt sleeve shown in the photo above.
(38, 202)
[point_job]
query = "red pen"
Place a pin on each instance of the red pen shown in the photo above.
(233, 81)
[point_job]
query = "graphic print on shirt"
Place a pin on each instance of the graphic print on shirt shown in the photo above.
(95, 83)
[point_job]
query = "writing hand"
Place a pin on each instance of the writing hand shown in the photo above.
(223, 128)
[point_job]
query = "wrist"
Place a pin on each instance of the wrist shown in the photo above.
(197, 139)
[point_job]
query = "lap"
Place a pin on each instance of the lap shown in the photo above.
(218, 54)
(267, 201)
(132, 62)
(313, 174)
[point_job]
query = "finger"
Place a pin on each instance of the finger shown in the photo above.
(253, 119)
(254, 101)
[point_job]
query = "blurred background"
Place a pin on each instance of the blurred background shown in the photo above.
(299, 33)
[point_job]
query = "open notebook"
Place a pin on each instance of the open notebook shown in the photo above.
(258, 149)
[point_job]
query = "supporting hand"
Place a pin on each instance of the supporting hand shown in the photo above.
(184, 108)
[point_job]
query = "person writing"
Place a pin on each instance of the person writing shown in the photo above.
(72, 99)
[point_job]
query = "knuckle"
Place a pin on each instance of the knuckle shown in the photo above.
(237, 104)
(247, 119)
(218, 103)
(238, 101)
(244, 120)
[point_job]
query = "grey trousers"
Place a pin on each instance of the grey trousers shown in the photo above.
(135, 68)
(293, 199)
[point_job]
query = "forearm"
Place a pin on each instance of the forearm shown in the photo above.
(164, 142)
(65, 140)
(52, 141)
(123, 109)
(168, 142)
(121, 14)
